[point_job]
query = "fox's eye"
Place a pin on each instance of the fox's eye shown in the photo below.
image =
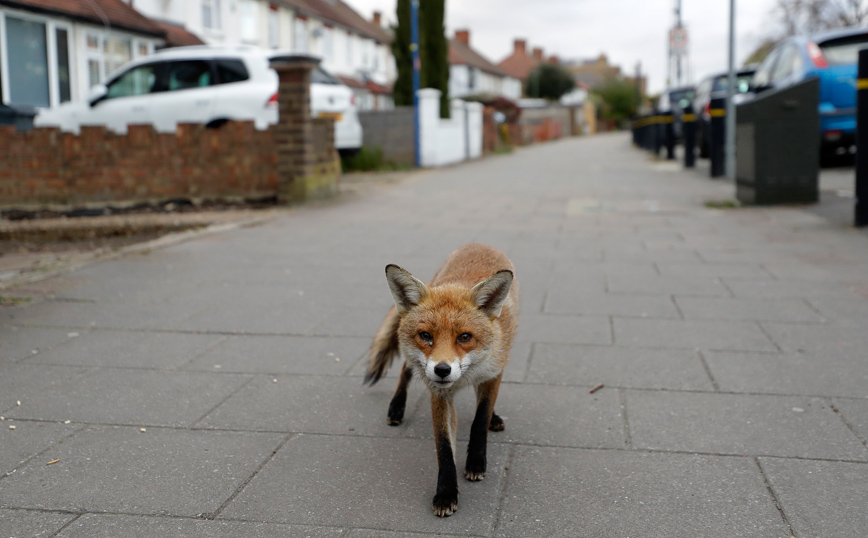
(426, 337)
(463, 338)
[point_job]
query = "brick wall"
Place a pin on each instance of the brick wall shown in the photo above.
(292, 161)
(47, 168)
(392, 131)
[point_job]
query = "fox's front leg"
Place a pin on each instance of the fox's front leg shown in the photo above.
(399, 400)
(486, 394)
(445, 425)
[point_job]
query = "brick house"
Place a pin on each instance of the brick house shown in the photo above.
(350, 46)
(470, 73)
(53, 51)
(519, 64)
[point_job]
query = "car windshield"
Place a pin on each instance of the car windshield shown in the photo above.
(845, 50)
(319, 76)
(682, 98)
(742, 83)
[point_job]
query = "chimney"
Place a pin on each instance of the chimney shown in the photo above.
(519, 46)
(553, 59)
(538, 54)
(376, 19)
(463, 36)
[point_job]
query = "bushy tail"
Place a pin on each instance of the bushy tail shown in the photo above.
(384, 349)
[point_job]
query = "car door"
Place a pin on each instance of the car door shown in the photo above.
(185, 94)
(127, 101)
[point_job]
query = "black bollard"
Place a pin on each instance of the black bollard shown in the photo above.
(658, 130)
(689, 128)
(669, 135)
(717, 136)
(861, 211)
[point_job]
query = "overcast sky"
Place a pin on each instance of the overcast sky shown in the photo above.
(628, 31)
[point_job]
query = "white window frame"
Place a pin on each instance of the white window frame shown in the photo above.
(216, 22)
(300, 37)
(349, 50)
(327, 43)
(51, 27)
(273, 26)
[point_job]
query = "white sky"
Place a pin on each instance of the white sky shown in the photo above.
(628, 31)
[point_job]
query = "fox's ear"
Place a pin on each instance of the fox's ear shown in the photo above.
(490, 294)
(407, 290)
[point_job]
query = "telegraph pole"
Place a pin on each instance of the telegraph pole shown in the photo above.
(417, 67)
(730, 105)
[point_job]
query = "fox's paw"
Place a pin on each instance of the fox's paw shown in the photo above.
(474, 476)
(445, 504)
(496, 424)
(396, 413)
(474, 470)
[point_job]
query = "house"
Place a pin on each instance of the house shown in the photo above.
(471, 74)
(350, 46)
(53, 51)
(519, 64)
(595, 72)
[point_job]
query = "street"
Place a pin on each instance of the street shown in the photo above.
(214, 387)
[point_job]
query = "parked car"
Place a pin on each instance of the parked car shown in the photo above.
(202, 84)
(713, 87)
(675, 100)
(831, 57)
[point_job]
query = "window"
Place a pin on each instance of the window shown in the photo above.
(763, 76)
(273, 27)
(790, 60)
(349, 49)
(61, 38)
(137, 81)
(319, 76)
(327, 43)
(27, 56)
(471, 77)
(211, 14)
(229, 71)
(300, 37)
(186, 75)
(247, 22)
(119, 51)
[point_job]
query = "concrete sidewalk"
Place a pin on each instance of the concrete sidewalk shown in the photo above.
(213, 388)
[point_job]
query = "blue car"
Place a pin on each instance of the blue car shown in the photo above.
(831, 57)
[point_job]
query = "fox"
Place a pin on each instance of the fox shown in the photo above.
(452, 333)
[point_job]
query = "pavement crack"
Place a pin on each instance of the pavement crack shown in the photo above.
(708, 371)
(771, 491)
(628, 437)
(501, 496)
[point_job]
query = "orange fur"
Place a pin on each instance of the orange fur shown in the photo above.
(454, 332)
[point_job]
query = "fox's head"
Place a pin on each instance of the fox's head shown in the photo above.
(448, 331)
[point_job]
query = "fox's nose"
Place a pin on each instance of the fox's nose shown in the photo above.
(442, 370)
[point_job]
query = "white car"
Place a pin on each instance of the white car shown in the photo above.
(202, 84)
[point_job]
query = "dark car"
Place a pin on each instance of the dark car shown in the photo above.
(713, 87)
(675, 100)
(831, 57)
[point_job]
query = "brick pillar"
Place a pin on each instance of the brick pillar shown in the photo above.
(298, 177)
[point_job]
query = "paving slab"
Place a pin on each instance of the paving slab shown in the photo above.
(112, 526)
(564, 329)
(813, 373)
(310, 404)
(713, 270)
(309, 355)
(839, 340)
(740, 309)
(855, 412)
(820, 498)
(19, 343)
(740, 424)
(120, 469)
(25, 383)
(539, 415)
(618, 366)
(29, 523)
(668, 285)
(132, 349)
(366, 482)
(27, 440)
(691, 334)
(567, 492)
(567, 301)
(135, 397)
(784, 289)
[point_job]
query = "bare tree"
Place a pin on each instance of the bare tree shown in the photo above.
(812, 16)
